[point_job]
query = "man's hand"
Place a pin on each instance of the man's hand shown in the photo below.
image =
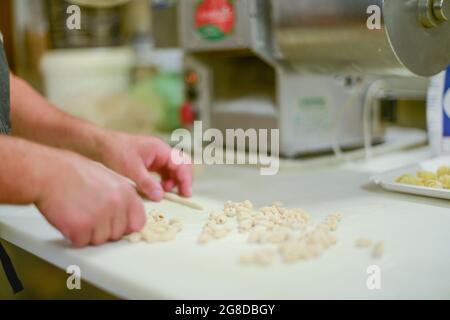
(87, 203)
(135, 156)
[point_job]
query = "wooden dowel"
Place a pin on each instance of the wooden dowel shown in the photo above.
(172, 197)
(185, 202)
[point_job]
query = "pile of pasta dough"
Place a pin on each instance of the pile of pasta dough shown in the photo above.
(437, 180)
(157, 229)
(274, 231)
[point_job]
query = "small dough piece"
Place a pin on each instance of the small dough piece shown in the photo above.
(277, 204)
(290, 252)
(445, 181)
(248, 204)
(378, 250)
(243, 216)
(174, 221)
(435, 184)
(443, 170)
(426, 175)
(256, 235)
(158, 228)
(158, 215)
(409, 179)
(230, 212)
(204, 238)
(259, 258)
(150, 237)
(331, 240)
(299, 251)
(176, 224)
(329, 225)
(213, 216)
(209, 227)
(220, 233)
(134, 237)
(363, 243)
(168, 236)
(336, 216)
(277, 236)
(318, 237)
(245, 225)
(221, 219)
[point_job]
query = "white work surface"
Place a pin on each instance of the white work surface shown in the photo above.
(415, 231)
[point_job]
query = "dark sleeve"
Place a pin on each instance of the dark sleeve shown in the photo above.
(5, 124)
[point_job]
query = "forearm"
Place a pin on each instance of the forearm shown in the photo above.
(34, 118)
(24, 170)
(85, 202)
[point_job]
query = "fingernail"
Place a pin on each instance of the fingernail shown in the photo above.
(157, 194)
(189, 192)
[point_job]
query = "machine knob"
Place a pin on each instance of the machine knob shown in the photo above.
(433, 12)
(441, 9)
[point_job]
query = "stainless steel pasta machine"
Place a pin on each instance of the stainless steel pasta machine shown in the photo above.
(296, 64)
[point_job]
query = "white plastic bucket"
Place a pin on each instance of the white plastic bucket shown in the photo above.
(72, 73)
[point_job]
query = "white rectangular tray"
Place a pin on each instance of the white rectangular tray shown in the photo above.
(387, 179)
